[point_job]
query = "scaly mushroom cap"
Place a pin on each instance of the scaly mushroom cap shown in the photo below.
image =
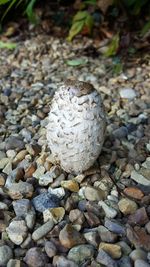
(76, 127)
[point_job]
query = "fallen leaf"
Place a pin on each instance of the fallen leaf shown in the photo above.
(76, 62)
(7, 45)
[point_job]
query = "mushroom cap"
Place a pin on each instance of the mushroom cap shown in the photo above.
(76, 127)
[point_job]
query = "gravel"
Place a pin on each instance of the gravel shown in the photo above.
(49, 217)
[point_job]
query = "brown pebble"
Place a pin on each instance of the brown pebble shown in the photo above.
(139, 217)
(70, 237)
(134, 192)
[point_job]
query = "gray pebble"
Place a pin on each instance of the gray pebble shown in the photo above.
(42, 230)
(81, 253)
(125, 262)
(141, 263)
(5, 255)
(138, 254)
(14, 142)
(45, 201)
(105, 259)
(115, 226)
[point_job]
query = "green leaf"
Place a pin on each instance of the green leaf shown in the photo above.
(8, 9)
(80, 16)
(146, 28)
(89, 22)
(30, 13)
(90, 2)
(75, 29)
(76, 62)
(113, 47)
(7, 45)
(2, 2)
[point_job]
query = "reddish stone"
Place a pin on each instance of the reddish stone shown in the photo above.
(134, 192)
(138, 237)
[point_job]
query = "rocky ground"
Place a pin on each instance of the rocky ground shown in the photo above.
(51, 218)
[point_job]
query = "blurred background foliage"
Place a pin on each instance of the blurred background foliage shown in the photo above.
(83, 16)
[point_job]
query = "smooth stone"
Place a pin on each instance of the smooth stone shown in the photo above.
(138, 254)
(45, 201)
(94, 194)
(14, 263)
(92, 219)
(2, 155)
(26, 243)
(17, 231)
(109, 211)
(128, 93)
(106, 235)
(134, 192)
(35, 257)
(126, 250)
(115, 226)
(5, 255)
(141, 263)
(81, 253)
(139, 178)
(104, 259)
(127, 206)
(147, 227)
(3, 206)
(70, 237)
(61, 261)
(50, 249)
(112, 249)
(42, 230)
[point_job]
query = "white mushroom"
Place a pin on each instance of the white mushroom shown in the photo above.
(76, 127)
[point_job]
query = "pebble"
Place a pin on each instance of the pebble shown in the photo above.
(3, 206)
(20, 190)
(139, 178)
(81, 253)
(109, 211)
(147, 227)
(70, 237)
(127, 206)
(141, 263)
(112, 249)
(39, 172)
(14, 263)
(45, 201)
(76, 216)
(42, 230)
(11, 153)
(21, 207)
(92, 219)
(115, 226)
(139, 217)
(104, 259)
(125, 261)
(50, 249)
(61, 261)
(126, 250)
(128, 93)
(59, 192)
(14, 142)
(134, 192)
(17, 231)
(55, 214)
(35, 257)
(138, 237)
(5, 255)
(92, 238)
(106, 235)
(94, 194)
(71, 185)
(121, 132)
(138, 254)
(49, 176)
(4, 162)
